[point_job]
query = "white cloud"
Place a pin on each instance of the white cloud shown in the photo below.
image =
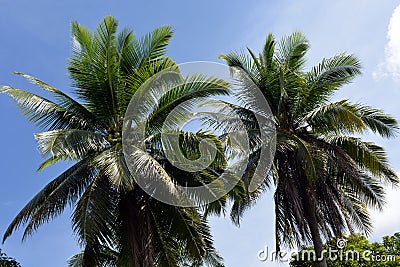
(387, 222)
(391, 64)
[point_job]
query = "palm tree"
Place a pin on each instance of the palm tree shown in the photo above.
(111, 213)
(325, 177)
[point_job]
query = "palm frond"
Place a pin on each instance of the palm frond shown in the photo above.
(52, 199)
(63, 99)
(113, 165)
(182, 98)
(93, 68)
(153, 45)
(378, 121)
(72, 144)
(327, 77)
(367, 155)
(337, 117)
(45, 113)
(292, 50)
(94, 214)
(243, 63)
(50, 161)
(107, 258)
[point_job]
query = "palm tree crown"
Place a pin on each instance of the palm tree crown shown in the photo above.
(116, 222)
(325, 177)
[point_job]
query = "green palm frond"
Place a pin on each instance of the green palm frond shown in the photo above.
(125, 50)
(182, 99)
(44, 112)
(292, 50)
(93, 68)
(63, 99)
(52, 199)
(147, 167)
(268, 53)
(343, 116)
(191, 239)
(153, 45)
(94, 215)
(377, 121)
(113, 165)
(242, 62)
(337, 117)
(72, 144)
(327, 77)
(140, 75)
(358, 213)
(367, 155)
(50, 161)
(167, 250)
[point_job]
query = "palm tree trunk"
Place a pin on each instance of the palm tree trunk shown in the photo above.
(136, 226)
(315, 234)
(317, 242)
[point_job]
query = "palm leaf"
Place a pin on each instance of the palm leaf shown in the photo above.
(44, 112)
(72, 144)
(63, 99)
(52, 199)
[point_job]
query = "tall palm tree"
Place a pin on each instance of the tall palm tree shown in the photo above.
(325, 176)
(111, 213)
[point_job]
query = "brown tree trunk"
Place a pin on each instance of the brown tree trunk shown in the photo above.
(317, 242)
(136, 224)
(315, 234)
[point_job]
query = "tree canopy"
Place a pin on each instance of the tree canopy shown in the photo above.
(370, 254)
(111, 213)
(6, 261)
(325, 175)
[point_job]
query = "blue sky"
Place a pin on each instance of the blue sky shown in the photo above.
(35, 39)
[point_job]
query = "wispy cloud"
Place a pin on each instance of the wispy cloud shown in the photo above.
(391, 65)
(8, 203)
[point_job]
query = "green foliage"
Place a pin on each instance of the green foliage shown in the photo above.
(116, 223)
(6, 261)
(325, 176)
(359, 251)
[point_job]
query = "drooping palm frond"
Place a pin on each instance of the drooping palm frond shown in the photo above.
(367, 155)
(191, 239)
(352, 118)
(378, 121)
(53, 198)
(94, 214)
(334, 117)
